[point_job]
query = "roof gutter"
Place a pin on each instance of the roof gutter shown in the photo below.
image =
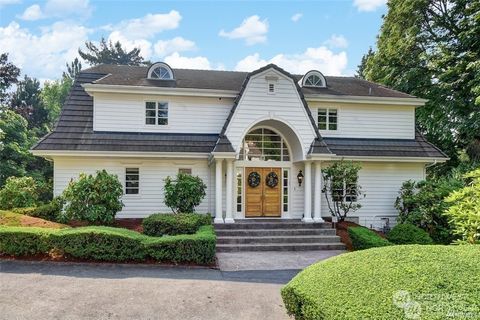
(118, 154)
(91, 88)
(417, 102)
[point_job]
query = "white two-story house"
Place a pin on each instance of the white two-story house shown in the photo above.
(258, 140)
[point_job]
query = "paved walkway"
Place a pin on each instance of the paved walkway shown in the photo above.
(272, 260)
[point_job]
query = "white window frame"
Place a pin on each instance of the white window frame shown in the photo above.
(125, 182)
(185, 169)
(327, 120)
(157, 113)
(243, 148)
(287, 187)
(241, 171)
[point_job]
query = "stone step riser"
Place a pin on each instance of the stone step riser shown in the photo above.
(271, 225)
(280, 247)
(267, 240)
(278, 232)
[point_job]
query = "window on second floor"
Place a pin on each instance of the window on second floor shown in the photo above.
(327, 119)
(156, 113)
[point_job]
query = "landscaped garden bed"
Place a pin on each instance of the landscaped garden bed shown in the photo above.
(394, 282)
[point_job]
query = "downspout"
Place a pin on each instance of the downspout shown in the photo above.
(428, 165)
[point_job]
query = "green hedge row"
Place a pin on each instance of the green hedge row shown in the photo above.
(395, 282)
(109, 244)
(364, 238)
(160, 224)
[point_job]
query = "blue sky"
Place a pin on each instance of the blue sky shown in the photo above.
(330, 36)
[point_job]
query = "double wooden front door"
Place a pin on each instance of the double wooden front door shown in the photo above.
(263, 200)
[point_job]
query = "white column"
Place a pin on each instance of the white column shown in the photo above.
(229, 191)
(218, 191)
(317, 196)
(307, 187)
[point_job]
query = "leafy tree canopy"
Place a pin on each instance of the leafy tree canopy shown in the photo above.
(111, 53)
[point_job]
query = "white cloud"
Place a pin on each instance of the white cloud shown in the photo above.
(32, 13)
(148, 25)
(321, 58)
(336, 41)
(368, 5)
(177, 44)
(252, 30)
(175, 60)
(7, 2)
(43, 56)
(296, 17)
(57, 9)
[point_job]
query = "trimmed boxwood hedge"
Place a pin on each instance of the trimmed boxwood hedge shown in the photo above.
(109, 244)
(377, 283)
(160, 224)
(363, 238)
(406, 233)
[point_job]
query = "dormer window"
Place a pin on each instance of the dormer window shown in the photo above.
(160, 71)
(314, 79)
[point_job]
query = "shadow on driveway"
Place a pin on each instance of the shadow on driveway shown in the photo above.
(125, 271)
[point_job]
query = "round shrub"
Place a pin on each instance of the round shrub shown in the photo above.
(406, 233)
(93, 198)
(19, 192)
(378, 284)
(184, 193)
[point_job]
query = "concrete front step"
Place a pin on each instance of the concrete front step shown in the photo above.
(274, 232)
(279, 247)
(278, 239)
(272, 225)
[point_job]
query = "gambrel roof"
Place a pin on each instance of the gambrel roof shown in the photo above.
(74, 129)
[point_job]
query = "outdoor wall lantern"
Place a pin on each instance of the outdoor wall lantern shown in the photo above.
(300, 178)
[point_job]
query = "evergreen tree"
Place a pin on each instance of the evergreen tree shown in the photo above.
(110, 53)
(72, 69)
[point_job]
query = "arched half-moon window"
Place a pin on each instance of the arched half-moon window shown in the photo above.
(314, 79)
(264, 144)
(160, 71)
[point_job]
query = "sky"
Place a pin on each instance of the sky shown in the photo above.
(329, 36)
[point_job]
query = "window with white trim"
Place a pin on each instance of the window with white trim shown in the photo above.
(185, 171)
(239, 189)
(327, 119)
(345, 190)
(132, 181)
(286, 176)
(156, 113)
(264, 144)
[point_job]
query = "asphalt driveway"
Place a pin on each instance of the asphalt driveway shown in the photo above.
(48, 290)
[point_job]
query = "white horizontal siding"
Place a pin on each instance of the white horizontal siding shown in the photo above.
(369, 121)
(126, 112)
(152, 175)
(258, 105)
(380, 182)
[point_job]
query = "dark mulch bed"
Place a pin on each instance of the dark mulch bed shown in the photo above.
(342, 232)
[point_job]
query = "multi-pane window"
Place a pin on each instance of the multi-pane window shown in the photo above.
(185, 170)
(341, 190)
(156, 113)
(264, 144)
(132, 181)
(285, 189)
(271, 88)
(327, 119)
(239, 189)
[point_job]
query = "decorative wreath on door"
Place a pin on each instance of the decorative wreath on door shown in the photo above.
(272, 179)
(254, 179)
